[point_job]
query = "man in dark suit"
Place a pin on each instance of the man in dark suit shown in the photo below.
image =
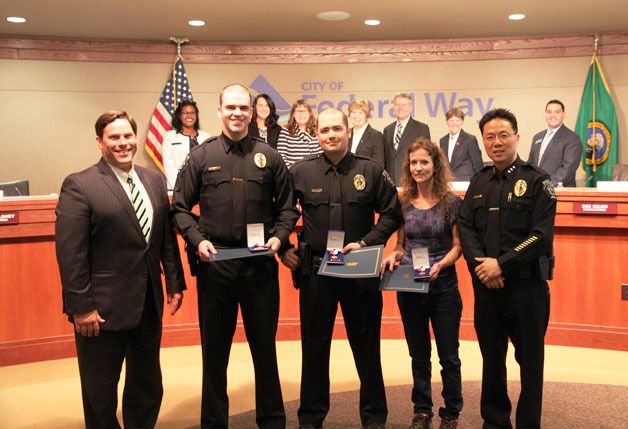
(460, 148)
(399, 135)
(113, 237)
(365, 140)
(557, 150)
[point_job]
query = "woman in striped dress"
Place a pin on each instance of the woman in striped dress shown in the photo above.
(298, 139)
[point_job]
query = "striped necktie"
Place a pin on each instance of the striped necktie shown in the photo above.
(140, 208)
(397, 136)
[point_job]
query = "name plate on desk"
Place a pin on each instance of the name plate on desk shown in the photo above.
(596, 208)
(9, 218)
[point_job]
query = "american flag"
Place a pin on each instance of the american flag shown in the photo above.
(177, 89)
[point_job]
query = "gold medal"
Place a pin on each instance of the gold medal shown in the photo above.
(359, 182)
(260, 160)
(520, 187)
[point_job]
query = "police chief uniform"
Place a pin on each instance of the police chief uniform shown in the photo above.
(509, 215)
(342, 197)
(236, 183)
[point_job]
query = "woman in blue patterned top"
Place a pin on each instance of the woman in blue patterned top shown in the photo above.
(430, 211)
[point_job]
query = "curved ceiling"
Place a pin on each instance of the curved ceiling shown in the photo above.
(289, 20)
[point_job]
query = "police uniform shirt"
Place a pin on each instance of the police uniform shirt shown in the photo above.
(345, 197)
(508, 215)
(235, 184)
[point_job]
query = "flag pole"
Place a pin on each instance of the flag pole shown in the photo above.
(593, 76)
(179, 41)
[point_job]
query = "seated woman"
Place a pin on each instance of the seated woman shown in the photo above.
(183, 137)
(298, 139)
(264, 121)
(430, 211)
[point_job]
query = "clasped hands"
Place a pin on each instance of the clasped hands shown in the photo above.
(490, 273)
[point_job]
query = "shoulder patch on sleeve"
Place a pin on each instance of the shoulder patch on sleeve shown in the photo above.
(185, 162)
(388, 178)
(548, 188)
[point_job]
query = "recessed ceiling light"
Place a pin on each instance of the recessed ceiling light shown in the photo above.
(16, 19)
(334, 15)
(196, 22)
(406, 60)
(372, 22)
(352, 60)
(516, 16)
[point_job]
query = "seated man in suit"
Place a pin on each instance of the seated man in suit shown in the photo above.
(399, 135)
(460, 148)
(113, 237)
(365, 140)
(557, 150)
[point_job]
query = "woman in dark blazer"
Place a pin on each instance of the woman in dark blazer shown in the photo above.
(365, 140)
(264, 122)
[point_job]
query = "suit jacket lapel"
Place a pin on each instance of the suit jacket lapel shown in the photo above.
(405, 137)
(365, 136)
(112, 182)
(551, 146)
(445, 146)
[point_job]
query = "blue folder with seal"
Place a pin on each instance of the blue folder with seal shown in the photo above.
(358, 264)
(402, 279)
(225, 254)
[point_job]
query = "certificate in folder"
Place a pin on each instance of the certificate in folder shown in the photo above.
(359, 264)
(225, 254)
(402, 279)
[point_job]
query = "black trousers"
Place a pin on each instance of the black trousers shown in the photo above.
(100, 362)
(362, 313)
(252, 284)
(519, 312)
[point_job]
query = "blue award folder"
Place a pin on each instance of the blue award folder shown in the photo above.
(225, 254)
(359, 264)
(402, 279)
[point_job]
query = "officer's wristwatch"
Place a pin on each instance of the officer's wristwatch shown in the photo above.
(362, 243)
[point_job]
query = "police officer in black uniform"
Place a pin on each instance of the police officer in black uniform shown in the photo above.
(340, 191)
(507, 230)
(236, 180)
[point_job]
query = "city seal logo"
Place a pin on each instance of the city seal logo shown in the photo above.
(359, 182)
(598, 143)
(520, 187)
(260, 160)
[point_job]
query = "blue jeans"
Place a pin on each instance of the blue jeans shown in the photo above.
(444, 311)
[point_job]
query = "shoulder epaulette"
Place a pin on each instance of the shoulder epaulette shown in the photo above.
(308, 158)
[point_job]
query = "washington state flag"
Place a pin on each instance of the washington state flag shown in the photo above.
(597, 127)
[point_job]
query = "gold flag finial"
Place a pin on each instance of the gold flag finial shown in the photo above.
(596, 42)
(179, 41)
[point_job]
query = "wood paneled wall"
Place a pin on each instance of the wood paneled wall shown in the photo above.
(60, 49)
(586, 305)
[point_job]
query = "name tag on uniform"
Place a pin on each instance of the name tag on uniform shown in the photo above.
(335, 243)
(421, 263)
(214, 168)
(317, 190)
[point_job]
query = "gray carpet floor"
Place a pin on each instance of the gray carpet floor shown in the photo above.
(565, 406)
